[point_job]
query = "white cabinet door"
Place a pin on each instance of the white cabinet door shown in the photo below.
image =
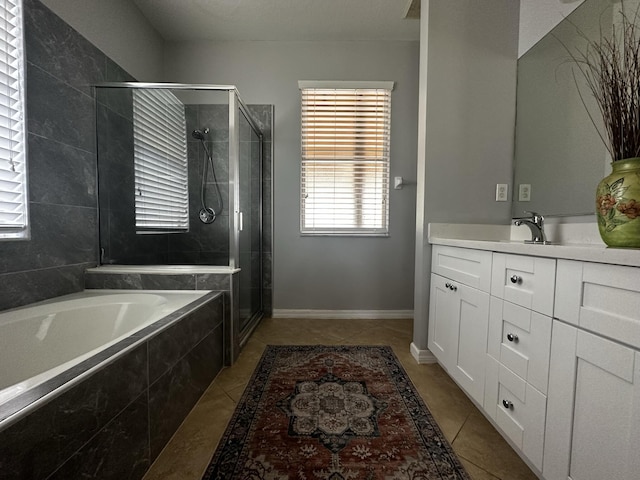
(443, 335)
(458, 325)
(593, 411)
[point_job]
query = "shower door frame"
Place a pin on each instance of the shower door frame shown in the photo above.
(235, 104)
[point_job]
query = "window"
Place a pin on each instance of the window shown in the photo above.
(160, 162)
(14, 211)
(345, 158)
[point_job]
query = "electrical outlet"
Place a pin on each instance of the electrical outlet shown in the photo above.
(502, 192)
(524, 192)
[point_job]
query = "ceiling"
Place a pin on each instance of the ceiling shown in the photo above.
(283, 20)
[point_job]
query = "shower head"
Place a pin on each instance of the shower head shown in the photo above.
(199, 134)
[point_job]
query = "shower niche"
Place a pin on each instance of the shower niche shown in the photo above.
(184, 181)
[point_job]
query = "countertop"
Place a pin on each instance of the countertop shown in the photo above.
(500, 238)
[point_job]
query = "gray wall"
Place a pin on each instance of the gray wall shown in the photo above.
(117, 28)
(468, 57)
(322, 272)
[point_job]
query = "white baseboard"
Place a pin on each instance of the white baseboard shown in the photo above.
(343, 314)
(422, 356)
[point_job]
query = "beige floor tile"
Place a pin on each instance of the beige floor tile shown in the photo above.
(475, 472)
(188, 453)
(479, 443)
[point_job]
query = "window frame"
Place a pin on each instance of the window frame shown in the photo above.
(14, 192)
(355, 167)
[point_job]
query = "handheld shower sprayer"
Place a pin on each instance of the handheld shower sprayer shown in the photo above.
(199, 134)
(207, 214)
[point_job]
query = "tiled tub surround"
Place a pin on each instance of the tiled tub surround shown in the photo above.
(179, 277)
(111, 415)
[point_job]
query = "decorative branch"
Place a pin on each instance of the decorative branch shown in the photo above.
(611, 69)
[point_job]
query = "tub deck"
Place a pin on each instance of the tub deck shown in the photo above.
(50, 360)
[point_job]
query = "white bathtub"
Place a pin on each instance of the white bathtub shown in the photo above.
(39, 342)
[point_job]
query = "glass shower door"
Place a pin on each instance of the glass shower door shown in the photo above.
(250, 225)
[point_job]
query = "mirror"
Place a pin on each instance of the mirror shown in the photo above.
(558, 151)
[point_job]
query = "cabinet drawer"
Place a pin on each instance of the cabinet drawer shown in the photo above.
(520, 414)
(467, 266)
(524, 280)
(521, 340)
(604, 299)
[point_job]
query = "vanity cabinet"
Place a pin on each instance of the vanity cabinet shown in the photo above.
(459, 314)
(593, 419)
(561, 354)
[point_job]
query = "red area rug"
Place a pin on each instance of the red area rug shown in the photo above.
(332, 413)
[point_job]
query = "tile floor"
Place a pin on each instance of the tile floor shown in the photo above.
(482, 450)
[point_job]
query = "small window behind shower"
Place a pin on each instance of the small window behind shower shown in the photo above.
(160, 162)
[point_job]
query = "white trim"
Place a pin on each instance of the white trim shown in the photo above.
(422, 356)
(344, 84)
(343, 314)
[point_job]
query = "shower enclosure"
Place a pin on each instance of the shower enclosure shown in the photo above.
(181, 183)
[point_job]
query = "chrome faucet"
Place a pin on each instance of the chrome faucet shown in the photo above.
(536, 224)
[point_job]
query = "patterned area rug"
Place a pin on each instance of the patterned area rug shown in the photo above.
(332, 413)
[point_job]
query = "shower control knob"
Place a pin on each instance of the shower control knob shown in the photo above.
(512, 338)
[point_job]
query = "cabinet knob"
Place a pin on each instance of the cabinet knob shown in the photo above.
(512, 338)
(451, 286)
(507, 404)
(516, 279)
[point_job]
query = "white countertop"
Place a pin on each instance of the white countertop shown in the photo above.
(504, 238)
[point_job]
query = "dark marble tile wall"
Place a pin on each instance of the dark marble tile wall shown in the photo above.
(61, 67)
(113, 424)
(203, 244)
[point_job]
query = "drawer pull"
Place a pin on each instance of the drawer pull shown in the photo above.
(516, 279)
(507, 404)
(512, 338)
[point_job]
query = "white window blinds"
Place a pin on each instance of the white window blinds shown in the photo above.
(160, 159)
(14, 218)
(345, 158)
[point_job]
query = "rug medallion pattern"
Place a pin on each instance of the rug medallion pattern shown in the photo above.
(332, 413)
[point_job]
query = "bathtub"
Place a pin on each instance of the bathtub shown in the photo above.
(123, 369)
(58, 342)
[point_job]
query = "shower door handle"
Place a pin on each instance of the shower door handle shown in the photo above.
(240, 221)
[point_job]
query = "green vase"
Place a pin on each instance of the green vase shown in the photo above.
(618, 204)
